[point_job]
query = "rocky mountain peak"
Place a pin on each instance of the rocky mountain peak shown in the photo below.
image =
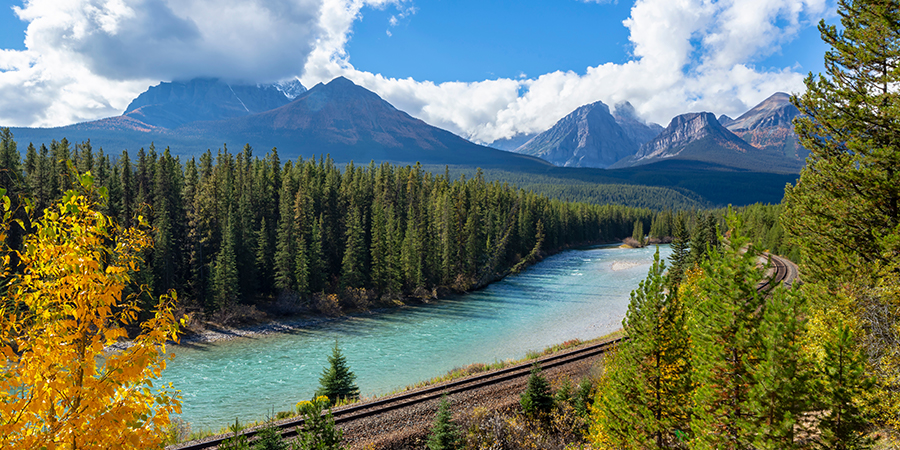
(769, 126)
(625, 111)
(290, 88)
(682, 130)
(587, 137)
(775, 111)
(172, 104)
(635, 128)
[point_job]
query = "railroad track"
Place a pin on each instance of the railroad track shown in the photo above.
(361, 410)
(785, 272)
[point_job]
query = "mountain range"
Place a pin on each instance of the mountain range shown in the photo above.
(339, 118)
(740, 161)
(762, 139)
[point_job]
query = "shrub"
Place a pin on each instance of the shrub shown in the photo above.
(269, 438)
(318, 431)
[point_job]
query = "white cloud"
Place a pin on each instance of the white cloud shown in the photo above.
(88, 58)
(689, 55)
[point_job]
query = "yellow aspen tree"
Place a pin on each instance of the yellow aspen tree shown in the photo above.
(66, 304)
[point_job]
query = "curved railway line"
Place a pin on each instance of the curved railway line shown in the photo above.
(784, 272)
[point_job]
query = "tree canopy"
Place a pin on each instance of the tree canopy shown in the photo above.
(65, 305)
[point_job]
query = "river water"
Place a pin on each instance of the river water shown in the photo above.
(576, 294)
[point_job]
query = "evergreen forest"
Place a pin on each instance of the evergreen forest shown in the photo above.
(233, 230)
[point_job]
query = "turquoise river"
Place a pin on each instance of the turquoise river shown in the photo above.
(576, 294)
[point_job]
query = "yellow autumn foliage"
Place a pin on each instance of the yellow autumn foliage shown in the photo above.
(59, 387)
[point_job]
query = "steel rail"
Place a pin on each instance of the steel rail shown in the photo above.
(361, 410)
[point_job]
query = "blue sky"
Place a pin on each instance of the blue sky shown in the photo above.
(483, 69)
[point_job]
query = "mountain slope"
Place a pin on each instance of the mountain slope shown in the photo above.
(635, 128)
(589, 137)
(339, 118)
(768, 126)
(700, 137)
(353, 123)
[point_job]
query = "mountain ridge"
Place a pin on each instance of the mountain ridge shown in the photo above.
(340, 118)
(590, 136)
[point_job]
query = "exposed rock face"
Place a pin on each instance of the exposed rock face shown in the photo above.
(701, 137)
(769, 126)
(775, 111)
(589, 137)
(635, 128)
(725, 120)
(683, 130)
(169, 105)
(291, 88)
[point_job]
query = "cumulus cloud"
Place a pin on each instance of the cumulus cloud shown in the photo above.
(87, 59)
(688, 55)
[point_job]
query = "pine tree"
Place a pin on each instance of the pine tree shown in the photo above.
(846, 205)
(726, 313)
(444, 432)
(843, 382)
(318, 431)
(844, 211)
(337, 381)
(782, 378)
(537, 400)
(647, 391)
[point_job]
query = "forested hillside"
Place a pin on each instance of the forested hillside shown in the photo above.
(712, 360)
(235, 229)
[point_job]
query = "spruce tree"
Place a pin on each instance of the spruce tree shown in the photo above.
(317, 267)
(444, 432)
(353, 270)
(537, 399)
(638, 232)
(681, 250)
(225, 283)
(337, 381)
(379, 250)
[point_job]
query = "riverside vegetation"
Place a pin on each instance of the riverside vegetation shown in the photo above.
(306, 235)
